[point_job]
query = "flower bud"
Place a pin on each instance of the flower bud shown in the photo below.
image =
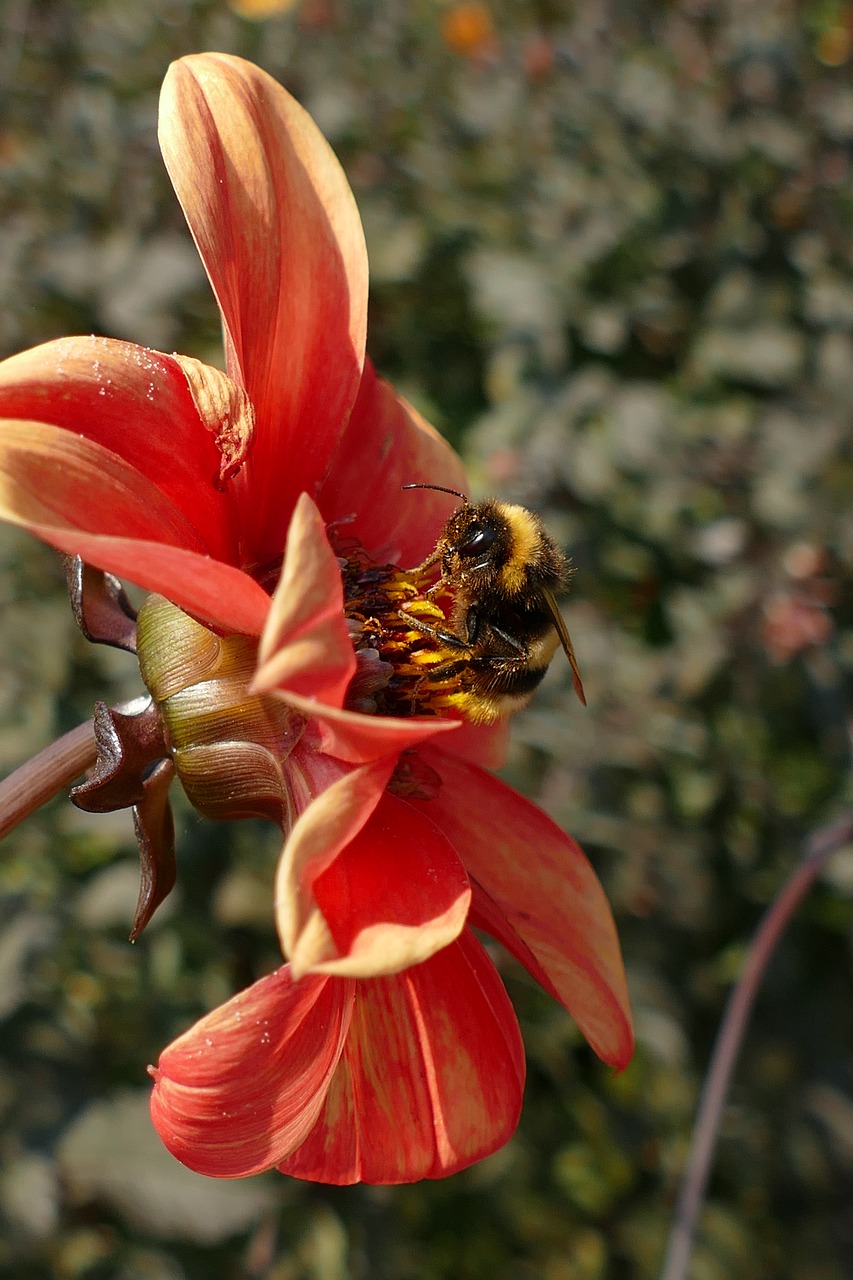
(229, 746)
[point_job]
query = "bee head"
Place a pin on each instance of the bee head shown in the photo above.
(496, 546)
(473, 544)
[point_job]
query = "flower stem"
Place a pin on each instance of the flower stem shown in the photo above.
(46, 774)
(52, 770)
(820, 847)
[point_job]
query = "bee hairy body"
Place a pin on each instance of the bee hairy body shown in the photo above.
(502, 569)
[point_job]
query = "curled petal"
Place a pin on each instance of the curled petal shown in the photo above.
(51, 476)
(430, 1080)
(535, 891)
(396, 894)
(225, 410)
(330, 821)
(305, 647)
(244, 1086)
(135, 403)
(388, 444)
(100, 605)
(216, 594)
(279, 234)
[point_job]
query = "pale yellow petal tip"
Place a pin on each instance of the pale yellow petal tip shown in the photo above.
(311, 948)
(380, 950)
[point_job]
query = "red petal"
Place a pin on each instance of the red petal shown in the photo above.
(279, 233)
(357, 738)
(536, 892)
(49, 476)
(137, 404)
(396, 894)
(86, 501)
(335, 809)
(387, 444)
(244, 1086)
(216, 594)
(305, 648)
(431, 1077)
(485, 744)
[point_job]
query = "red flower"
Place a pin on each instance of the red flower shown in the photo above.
(386, 1049)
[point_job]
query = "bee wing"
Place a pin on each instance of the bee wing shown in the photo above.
(565, 640)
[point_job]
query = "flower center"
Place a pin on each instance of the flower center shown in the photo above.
(401, 671)
(230, 747)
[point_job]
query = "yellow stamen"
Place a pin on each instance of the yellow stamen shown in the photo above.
(408, 676)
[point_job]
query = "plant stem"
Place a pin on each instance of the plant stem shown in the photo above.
(50, 772)
(820, 847)
(45, 775)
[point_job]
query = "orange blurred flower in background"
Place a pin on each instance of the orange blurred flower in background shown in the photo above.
(469, 30)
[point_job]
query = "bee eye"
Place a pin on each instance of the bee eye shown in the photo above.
(478, 539)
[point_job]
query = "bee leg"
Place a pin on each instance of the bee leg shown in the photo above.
(488, 669)
(427, 629)
(513, 643)
(425, 564)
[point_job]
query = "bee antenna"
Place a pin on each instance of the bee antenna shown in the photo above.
(439, 488)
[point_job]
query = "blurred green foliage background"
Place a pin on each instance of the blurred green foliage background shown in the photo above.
(612, 259)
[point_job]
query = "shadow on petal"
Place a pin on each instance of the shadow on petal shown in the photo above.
(386, 445)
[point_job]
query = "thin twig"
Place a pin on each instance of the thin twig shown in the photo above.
(821, 846)
(48, 773)
(14, 34)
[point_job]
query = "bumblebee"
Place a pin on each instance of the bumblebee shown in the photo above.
(502, 570)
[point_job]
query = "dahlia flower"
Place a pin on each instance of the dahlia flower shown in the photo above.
(262, 510)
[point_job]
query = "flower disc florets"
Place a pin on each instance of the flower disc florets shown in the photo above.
(397, 670)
